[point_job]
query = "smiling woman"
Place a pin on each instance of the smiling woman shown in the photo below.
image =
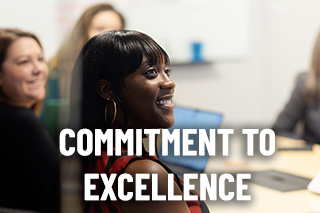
(122, 81)
(149, 92)
(30, 162)
(23, 70)
(25, 66)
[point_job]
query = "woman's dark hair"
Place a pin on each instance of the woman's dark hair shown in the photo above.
(111, 56)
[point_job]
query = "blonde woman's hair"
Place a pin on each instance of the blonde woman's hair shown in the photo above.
(312, 87)
(65, 58)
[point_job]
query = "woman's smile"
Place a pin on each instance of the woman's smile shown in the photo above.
(165, 103)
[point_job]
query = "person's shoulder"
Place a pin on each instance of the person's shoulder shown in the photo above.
(302, 76)
(300, 80)
(14, 117)
(152, 168)
(16, 112)
(145, 166)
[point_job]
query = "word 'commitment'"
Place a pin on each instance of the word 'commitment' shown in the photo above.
(89, 142)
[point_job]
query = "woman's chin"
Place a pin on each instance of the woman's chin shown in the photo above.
(167, 124)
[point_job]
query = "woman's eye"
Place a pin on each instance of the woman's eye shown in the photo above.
(151, 72)
(22, 62)
(41, 59)
(168, 72)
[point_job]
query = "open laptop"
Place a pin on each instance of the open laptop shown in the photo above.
(189, 118)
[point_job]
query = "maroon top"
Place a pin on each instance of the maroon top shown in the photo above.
(117, 164)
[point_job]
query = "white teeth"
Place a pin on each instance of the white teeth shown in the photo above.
(164, 102)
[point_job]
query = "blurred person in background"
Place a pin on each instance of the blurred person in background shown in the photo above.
(30, 162)
(96, 19)
(300, 118)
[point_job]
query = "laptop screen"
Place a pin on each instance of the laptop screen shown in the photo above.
(189, 118)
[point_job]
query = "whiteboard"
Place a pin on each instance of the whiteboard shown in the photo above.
(221, 26)
(36, 16)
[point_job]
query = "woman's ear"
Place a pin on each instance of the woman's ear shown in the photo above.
(104, 89)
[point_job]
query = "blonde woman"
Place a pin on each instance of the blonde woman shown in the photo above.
(96, 19)
(29, 160)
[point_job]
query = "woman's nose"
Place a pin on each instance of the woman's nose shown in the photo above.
(38, 67)
(167, 83)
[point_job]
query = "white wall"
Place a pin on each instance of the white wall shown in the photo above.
(248, 91)
(254, 90)
(221, 26)
(33, 16)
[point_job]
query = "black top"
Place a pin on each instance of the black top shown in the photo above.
(29, 177)
(298, 111)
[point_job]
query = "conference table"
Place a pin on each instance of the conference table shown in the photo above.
(263, 199)
(303, 163)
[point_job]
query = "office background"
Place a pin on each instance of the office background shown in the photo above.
(249, 87)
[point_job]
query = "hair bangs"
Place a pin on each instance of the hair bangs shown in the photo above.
(153, 52)
(141, 46)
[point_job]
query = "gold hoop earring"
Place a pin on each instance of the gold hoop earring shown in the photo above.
(114, 111)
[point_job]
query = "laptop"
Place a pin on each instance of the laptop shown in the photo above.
(280, 181)
(190, 118)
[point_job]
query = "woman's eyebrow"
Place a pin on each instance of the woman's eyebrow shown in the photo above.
(150, 62)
